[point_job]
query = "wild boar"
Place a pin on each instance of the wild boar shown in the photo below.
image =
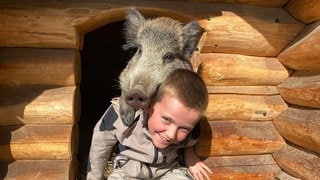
(162, 45)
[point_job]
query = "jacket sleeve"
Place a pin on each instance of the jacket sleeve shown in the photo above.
(103, 141)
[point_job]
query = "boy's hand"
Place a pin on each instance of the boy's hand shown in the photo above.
(197, 168)
(200, 171)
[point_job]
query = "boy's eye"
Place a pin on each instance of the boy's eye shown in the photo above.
(166, 120)
(185, 130)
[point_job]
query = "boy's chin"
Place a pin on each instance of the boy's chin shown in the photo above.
(160, 146)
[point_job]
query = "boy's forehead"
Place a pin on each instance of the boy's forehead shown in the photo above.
(176, 110)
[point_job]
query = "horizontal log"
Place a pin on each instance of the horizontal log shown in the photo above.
(21, 28)
(29, 66)
(238, 70)
(277, 3)
(244, 107)
(38, 105)
(39, 169)
(298, 163)
(254, 31)
(242, 167)
(283, 175)
(37, 142)
(62, 25)
(300, 126)
(253, 90)
(305, 11)
(220, 138)
(302, 88)
(304, 52)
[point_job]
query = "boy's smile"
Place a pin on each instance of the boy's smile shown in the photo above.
(170, 121)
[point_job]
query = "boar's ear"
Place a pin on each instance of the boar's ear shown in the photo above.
(191, 35)
(133, 21)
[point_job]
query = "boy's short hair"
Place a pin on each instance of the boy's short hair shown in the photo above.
(187, 87)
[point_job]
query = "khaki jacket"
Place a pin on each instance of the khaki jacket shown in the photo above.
(137, 154)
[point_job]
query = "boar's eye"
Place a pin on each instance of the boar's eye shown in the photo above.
(169, 57)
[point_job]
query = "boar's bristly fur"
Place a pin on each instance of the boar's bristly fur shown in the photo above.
(162, 45)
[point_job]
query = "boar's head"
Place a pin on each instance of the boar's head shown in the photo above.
(162, 45)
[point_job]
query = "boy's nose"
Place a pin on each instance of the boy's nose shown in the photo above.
(172, 133)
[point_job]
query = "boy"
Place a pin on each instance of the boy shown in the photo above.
(148, 149)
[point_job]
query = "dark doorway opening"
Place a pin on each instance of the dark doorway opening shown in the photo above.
(102, 60)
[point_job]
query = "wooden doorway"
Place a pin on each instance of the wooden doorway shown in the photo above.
(102, 60)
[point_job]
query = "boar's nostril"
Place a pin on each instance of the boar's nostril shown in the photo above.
(136, 99)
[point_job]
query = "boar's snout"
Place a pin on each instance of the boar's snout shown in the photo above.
(137, 99)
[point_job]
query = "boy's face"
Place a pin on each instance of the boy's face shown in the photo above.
(170, 121)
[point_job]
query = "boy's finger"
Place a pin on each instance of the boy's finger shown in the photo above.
(201, 176)
(205, 174)
(207, 168)
(207, 177)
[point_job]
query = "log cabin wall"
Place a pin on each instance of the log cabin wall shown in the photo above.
(259, 59)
